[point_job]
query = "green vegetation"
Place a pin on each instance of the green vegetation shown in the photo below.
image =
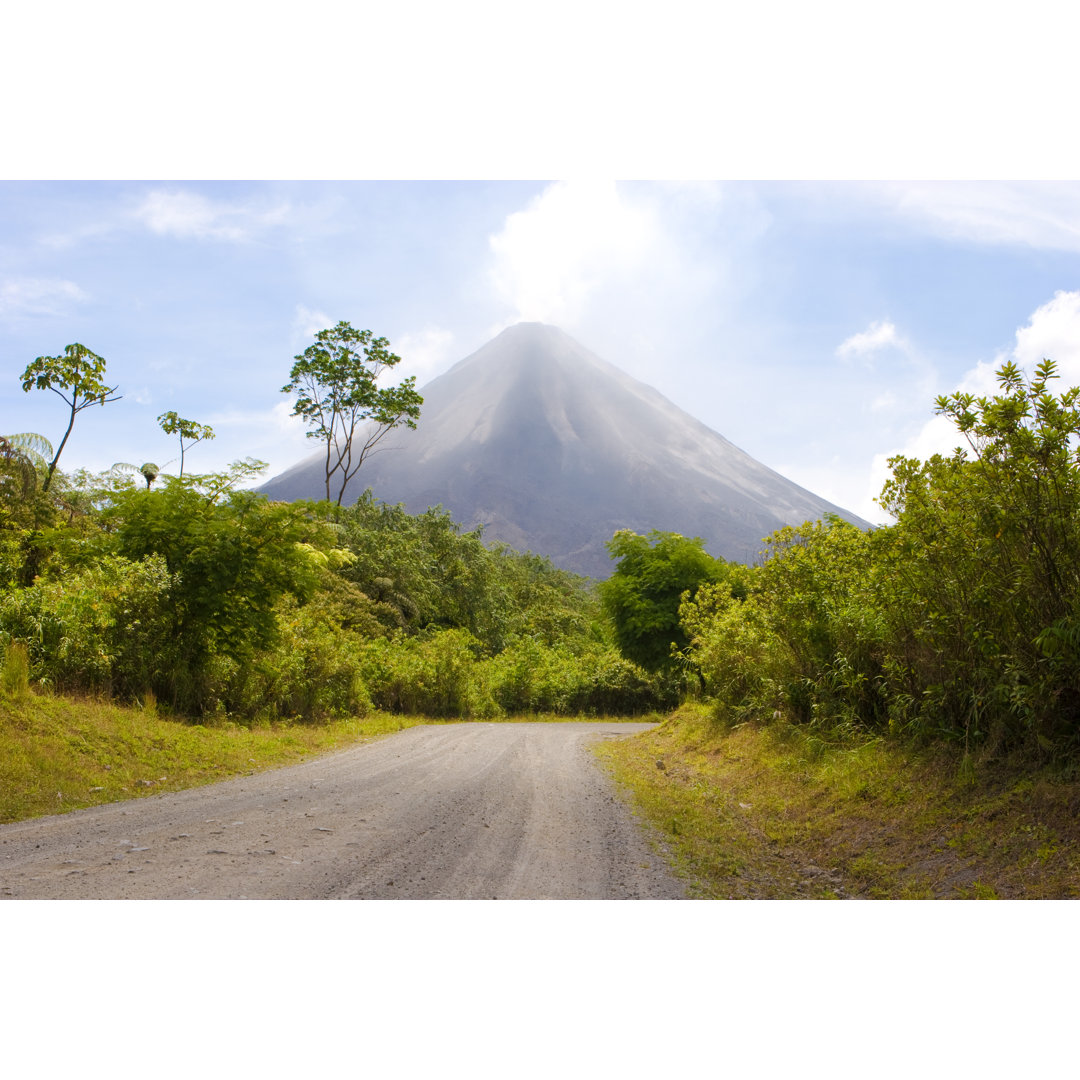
(334, 381)
(958, 623)
(189, 433)
(221, 603)
(641, 598)
(78, 379)
(215, 603)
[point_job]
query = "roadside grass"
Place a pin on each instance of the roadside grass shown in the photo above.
(775, 812)
(59, 754)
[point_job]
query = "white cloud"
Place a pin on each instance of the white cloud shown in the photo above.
(272, 435)
(884, 402)
(38, 296)
(1052, 332)
(91, 231)
(188, 214)
(1040, 215)
(880, 335)
(276, 420)
(425, 354)
(307, 322)
(571, 239)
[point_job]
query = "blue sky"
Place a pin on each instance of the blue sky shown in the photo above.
(812, 323)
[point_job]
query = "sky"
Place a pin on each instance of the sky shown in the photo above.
(812, 323)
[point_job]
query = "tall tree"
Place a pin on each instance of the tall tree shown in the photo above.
(641, 598)
(78, 378)
(335, 385)
(172, 424)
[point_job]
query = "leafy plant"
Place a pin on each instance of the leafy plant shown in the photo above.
(642, 596)
(189, 430)
(334, 381)
(77, 377)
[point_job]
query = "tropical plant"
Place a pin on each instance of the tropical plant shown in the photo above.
(334, 381)
(77, 378)
(188, 430)
(642, 596)
(24, 458)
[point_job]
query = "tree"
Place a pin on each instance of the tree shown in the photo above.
(233, 555)
(335, 384)
(172, 424)
(80, 372)
(642, 597)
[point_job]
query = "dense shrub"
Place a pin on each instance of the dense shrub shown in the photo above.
(106, 627)
(983, 590)
(961, 621)
(434, 674)
(312, 672)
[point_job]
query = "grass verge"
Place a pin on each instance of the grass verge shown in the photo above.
(58, 754)
(774, 812)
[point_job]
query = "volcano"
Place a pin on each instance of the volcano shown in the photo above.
(552, 449)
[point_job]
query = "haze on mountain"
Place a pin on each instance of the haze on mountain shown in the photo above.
(552, 449)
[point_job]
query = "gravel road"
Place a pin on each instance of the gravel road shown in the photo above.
(461, 811)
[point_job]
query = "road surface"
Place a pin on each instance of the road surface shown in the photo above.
(460, 811)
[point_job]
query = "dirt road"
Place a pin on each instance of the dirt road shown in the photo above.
(462, 811)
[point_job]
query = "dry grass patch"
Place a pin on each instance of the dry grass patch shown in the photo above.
(774, 812)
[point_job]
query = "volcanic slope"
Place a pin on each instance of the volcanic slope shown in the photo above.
(552, 449)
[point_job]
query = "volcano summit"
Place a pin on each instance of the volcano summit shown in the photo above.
(552, 450)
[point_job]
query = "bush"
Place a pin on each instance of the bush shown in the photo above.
(432, 674)
(313, 672)
(106, 627)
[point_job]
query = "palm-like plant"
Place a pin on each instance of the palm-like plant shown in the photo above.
(148, 470)
(24, 459)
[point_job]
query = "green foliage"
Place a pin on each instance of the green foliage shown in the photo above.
(985, 584)
(25, 507)
(802, 638)
(189, 433)
(78, 378)
(424, 572)
(234, 555)
(23, 463)
(434, 674)
(741, 659)
(312, 672)
(334, 381)
(642, 596)
(529, 676)
(959, 622)
(106, 627)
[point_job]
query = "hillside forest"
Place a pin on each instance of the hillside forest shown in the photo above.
(957, 622)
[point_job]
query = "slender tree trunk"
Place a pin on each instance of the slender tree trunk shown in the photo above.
(60, 450)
